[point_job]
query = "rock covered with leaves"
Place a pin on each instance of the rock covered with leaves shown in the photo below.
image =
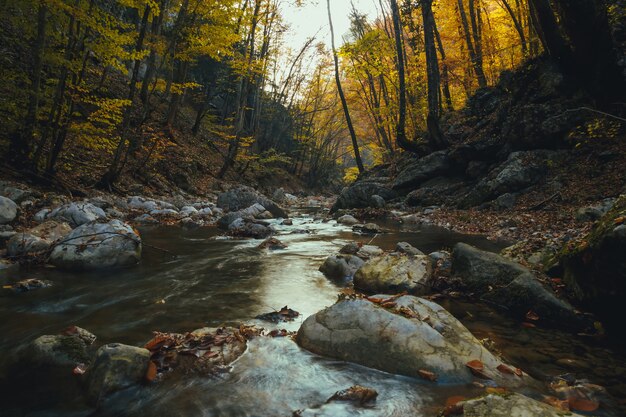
(394, 273)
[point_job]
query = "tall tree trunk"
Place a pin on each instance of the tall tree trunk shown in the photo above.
(471, 48)
(112, 174)
(155, 31)
(21, 143)
(242, 97)
(401, 138)
(344, 104)
(549, 34)
(445, 76)
(517, 24)
(595, 62)
(435, 136)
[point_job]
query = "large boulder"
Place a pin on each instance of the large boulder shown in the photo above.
(341, 266)
(594, 270)
(241, 197)
(249, 228)
(438, 191)
(98, 245)
(510, 287)
(115, 367)
(251, 212)
(60, 350)
(8, 210)
(520, 170)
(511, 405)
(480, 269)
(423, 169)
(38, 239)
(394, 273)
(77, 214)
(359, 194)
(16, 194)
(415, 335)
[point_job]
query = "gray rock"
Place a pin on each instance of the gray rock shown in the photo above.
(189, 223)
(77, 214)
(142, 204)
(360, 331)
(505, 202)
(279, 195)
(41, 215)
(187, 211)
(51, 230)
(62, 350)
(5, 236)
(368, 228)
(18, 195)
(510, 405)
(480, 269)
(592, 213)
(350, 248)
(249, 228)
(511, 287)
(266, 215)
(347, 220)
(359, 194)
(404, 247)
(438, 191)
(145, 219)
(248, 213)
(206, 212)
(164, 213)
(341, 266)
(242, 197)
(114, 213)
(395, 273)
(98, 245)
(8, 210)
(521, 170)
(423, 169)
(378, 201)
(26, 244)
(115, 367)
(369, 251)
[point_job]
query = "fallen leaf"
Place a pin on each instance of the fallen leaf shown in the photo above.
(505, 369)
(454, 406)
(528, 325)
(427, 375)
(556, 402)
(476, 367)
(531, 315)
(519, 372)
(583, 404)
(80, 369)
(151, 373)
(620, 220)
(496, 390)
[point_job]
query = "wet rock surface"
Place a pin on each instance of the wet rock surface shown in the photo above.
(394, 273)
(414, 335)
(98, 245)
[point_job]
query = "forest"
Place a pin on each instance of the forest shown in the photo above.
(433, 189)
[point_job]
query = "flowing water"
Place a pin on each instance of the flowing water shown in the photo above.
(203, 280)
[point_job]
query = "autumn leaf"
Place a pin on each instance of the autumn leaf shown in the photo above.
(151, 373)
(528, 325)
(454, 406)
(531, 315)
(583, 404)
(556, 402)
(496, 390)
(427, 375)
(476, 367)
(80, 369)
(505, 369)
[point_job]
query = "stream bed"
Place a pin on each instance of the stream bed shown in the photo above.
(199, 279)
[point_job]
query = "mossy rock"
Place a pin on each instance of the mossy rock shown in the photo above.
(594, 270)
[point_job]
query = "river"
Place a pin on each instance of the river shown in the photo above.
(199, 279)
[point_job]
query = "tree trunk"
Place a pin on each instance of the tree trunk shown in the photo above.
(549, 34)
(518, 26)
(435, 136)
(21, 144)
(444, 69)
(401, 138)
(344, 104)
(109, 178)
(471, 48)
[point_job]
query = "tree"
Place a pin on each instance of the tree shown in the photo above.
(344, 104)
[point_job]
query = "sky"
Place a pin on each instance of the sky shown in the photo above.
(307, 20)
